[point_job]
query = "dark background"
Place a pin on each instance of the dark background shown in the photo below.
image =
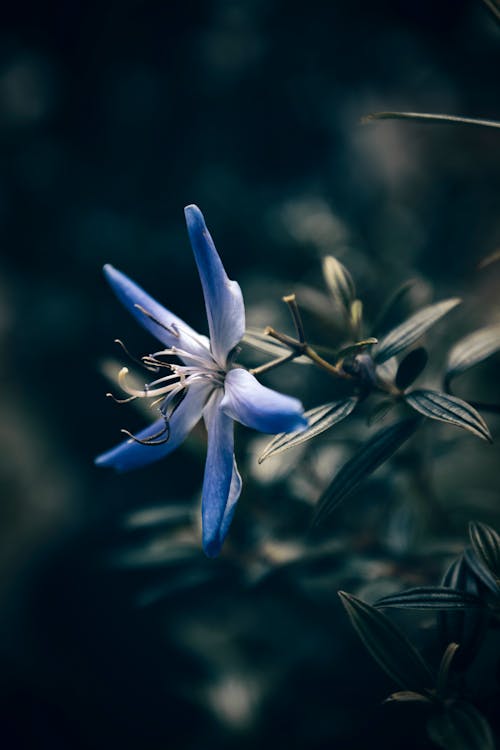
(113, 116)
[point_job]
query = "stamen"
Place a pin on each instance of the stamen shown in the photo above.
(132, 357)
(172, 330)
(121, 400)
(153, 440)
(147, 392)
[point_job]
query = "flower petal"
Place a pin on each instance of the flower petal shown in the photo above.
(164, 325)
(132, 455)
(261, 408)
(222, 482)
(223, 297)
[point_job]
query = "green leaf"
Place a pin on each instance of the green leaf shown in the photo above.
(486, 544)
(465, 627)
(447, 408)
(471, 350)
(319, 419)
(259, 340)
(388, 645)
(370, 456)
(411, 367)
(424, 117)
(412, 329)
(408, 696)
(339, 282)
(480, 571)
(431, 597)
(444, 669)
(460, 727)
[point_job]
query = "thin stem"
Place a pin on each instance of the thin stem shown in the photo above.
(273, 363)
(291, 301)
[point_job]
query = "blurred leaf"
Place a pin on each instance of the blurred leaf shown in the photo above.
(387, 644)
(444, 669)
(381, 410)
(471, 350)
(262, 342)
(408, 696)
(339, 282)
(412, 329)
(411, 367)
(368, 458)
(356, 315)
(479, 570)
(486, 544)
(460, 727)
(494, 7)
(467, 627)
(424, 117)
(431, 597)
(319, 419)
(447, 408)
(489, 259)
(385, 318)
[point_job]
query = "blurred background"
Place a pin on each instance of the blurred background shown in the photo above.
(115, 630)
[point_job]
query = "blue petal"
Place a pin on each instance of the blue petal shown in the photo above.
(261, 408)
(170, 330)
(223, 297)
(222, 482)
(132, 455)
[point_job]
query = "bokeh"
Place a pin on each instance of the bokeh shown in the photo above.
(113, 116)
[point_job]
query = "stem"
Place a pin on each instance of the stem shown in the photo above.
(297, 319)
(273, 363)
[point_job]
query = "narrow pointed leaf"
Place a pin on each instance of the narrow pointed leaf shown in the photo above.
(408, 696)
(425, 117)
(388, 645)
(411, 367)
(465, 627)
(412, 329)
(471, 350)
(339, 282)
(319, 419)
(480, 571)
(460, 727)
(486, 544)
(444, 669)
(431, 597)
(447, 408)
(369, 457)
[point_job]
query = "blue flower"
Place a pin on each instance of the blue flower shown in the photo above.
(207, 384)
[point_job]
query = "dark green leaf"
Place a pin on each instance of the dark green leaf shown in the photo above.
(369, 457)
(411, 367)
(460, 727)
(388, 645)
(447, 408)
(408, 696)
(424, 117)
(480, 571)
(471, 350)
(339, 282)
(412, 329)
(319, 419)
(467, 627)
(444, 669)
(486, 544)
(494, 7)
(431, 597)
(381, 410)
